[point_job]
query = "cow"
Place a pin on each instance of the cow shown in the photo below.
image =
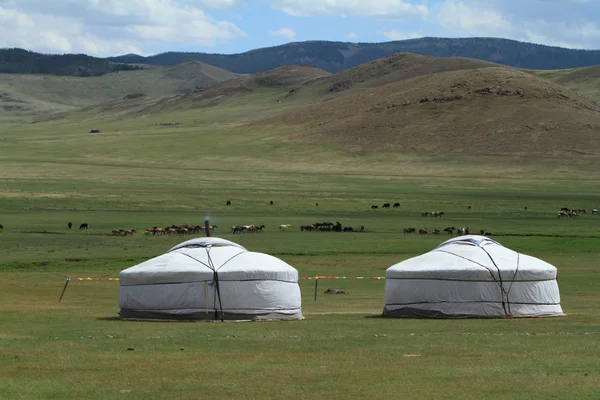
(396, 205)
(386, 205)
(374, 207)
(83, 226)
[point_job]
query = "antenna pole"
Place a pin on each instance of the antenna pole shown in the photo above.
(207, 227)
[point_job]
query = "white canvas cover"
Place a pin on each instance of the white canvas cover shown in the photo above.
(210, 279)
(472, 276)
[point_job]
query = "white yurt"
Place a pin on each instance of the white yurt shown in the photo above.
(472, 276)
(210, 279)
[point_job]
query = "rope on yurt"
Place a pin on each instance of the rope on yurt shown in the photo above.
(498, 282)
(217, 295)
(217, 286)
(513, 280)
(502, 290)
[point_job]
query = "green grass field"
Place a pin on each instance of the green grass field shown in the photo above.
(136, 175)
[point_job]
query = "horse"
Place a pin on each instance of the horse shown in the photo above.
(284, 227)
(396, 205)
(449, 230)
(307, 228)
(271, 203)
(409, 230)
(228, 203)
(423, 231)
(1, 227)
(83, 226)
(374, 207)
(595, 211)
(69, 225)
(386, 205)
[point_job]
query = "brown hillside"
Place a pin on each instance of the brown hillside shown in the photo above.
(399, 67)
(283, 77)
(489, 111)
(580, 75)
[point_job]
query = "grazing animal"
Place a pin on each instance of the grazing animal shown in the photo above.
(271, 202)
(1, 227)
(94, 130)
(449, 230)
(228, 203)
(284, 227)
(386, 205)
(83, 226)
(70, 225)
(374, 207)
(525, 208)
(425, 214)
(409, 230)
(362, 228)
(317, 204)
(423, 231)
(595, 211)
(348, 229)
(307, 228)
(462, 231)
(437, 231)
(396, 205)
(468, 207)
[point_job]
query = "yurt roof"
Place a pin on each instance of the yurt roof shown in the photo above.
(199, 259)
(472, 257)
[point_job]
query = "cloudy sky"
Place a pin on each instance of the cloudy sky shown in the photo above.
(114, 27)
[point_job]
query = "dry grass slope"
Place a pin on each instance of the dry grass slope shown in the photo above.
(30, 95)
(399, 67)
(485, 111)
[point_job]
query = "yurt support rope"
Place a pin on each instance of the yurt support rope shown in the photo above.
(497, 281)
(217, 286)
(211, 265)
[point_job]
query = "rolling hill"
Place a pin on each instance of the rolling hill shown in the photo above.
(20, 61)
(481, 111)
(23, 97)
(337, 56)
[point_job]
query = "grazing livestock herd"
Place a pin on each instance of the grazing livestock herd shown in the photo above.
(247, 228)
(564, 212)
(178, 230)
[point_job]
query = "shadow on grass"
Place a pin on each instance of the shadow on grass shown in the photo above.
(109, 319)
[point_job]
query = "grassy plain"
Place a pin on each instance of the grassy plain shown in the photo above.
(136, 174)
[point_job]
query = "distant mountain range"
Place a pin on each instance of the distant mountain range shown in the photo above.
(19, 61)
(329, 56)
(337, 56)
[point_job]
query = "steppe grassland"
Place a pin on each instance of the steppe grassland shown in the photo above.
(135, 174)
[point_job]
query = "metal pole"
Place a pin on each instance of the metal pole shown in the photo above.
(64, 289)
(207, 227)
(316, 284)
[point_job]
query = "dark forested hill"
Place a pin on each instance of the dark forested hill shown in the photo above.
(337, 56)
(19, 61)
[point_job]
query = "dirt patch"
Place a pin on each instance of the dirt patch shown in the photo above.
(335, 291)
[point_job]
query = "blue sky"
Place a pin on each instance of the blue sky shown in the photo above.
(114, 27)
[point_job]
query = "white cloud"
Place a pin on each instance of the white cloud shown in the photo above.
(366, 8)
(395, 34)
(284, 32)
(111, 27)
(351, 36)
(460, 16)
(221, 4)
(564, 23)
